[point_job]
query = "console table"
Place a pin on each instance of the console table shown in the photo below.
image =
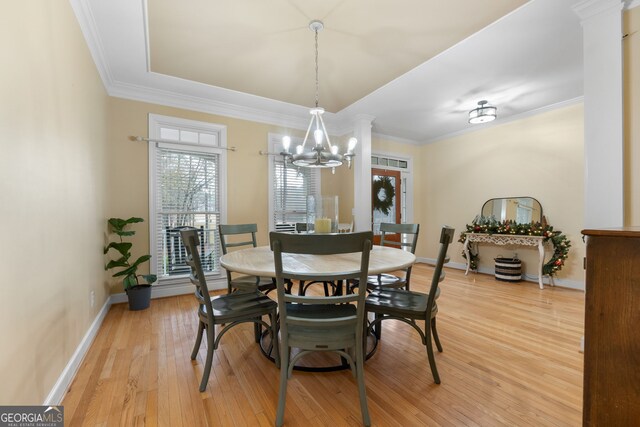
(507, 239)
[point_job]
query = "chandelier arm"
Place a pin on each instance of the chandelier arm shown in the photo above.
(326, 134)
(306, 135)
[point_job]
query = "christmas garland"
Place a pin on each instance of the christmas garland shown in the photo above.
(385, 184)
(490, 225)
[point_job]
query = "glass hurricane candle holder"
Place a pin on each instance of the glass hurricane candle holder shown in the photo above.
(322, 214)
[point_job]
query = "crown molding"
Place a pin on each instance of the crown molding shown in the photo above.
(631, 4)
(587, 9)
(88, 26)
(156, 96)
(395, 139)
(509, 119)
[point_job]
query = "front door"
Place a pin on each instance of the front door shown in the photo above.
(385, 199)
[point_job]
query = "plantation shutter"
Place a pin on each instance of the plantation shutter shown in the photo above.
(187, 195)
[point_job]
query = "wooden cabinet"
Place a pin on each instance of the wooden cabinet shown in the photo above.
(612, 328)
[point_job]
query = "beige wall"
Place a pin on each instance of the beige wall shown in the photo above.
(247, 177)
(540, 156)
(631, 46)
(53, 187)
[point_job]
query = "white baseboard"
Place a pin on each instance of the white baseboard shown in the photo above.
(69, 372)
(563, 283)
(173, 289)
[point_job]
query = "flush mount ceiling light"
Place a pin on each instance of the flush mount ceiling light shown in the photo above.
(484, 113)
(317, 156)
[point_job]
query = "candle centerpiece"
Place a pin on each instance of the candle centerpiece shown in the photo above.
(322, 214)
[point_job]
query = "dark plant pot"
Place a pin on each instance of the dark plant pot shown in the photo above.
(139, 297)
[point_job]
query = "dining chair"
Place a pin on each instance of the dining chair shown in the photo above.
(238, 236)
(228, 310)
(409, 306)
(399, 236)
(321, 323)
(401, 232)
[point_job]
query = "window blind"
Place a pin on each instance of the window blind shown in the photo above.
(291, 186)
(187, 195)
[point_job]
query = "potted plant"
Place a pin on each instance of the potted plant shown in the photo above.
(138, 292)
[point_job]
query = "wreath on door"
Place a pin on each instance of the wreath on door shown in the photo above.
(382, 201)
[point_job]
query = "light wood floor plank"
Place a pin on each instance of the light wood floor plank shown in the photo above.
(510, 359)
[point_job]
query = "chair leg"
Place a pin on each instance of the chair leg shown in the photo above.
(377, 329)
(257, 330)
(211, 338)
(432, 359)
(362, 390)
(273, 318)
(196, 346)
(434, 331)
(284, 370)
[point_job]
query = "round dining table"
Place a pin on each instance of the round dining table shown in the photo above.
(259, 261)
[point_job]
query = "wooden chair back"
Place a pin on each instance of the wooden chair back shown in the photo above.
(284, 244)
(412, 230)
(446, 237)
(191, 243)
(226, 230)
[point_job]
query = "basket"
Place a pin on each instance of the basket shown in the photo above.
(508, 269)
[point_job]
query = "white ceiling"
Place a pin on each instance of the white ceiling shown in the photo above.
(417, 69)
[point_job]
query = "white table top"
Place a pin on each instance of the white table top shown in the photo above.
(259, 261)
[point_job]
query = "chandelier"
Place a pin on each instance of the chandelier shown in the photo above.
(319, 155)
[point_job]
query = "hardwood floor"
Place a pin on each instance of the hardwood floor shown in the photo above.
(510, 359)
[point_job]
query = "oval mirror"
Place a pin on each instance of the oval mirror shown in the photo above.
(519, 209)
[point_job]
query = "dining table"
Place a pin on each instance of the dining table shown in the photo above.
(259, 261)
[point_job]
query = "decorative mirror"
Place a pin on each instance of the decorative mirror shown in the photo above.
(522, 210)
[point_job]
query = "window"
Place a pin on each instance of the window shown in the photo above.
(187, 189)
(289, 186)
(387, 161)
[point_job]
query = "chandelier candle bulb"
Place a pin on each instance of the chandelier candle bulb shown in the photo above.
(352, 144)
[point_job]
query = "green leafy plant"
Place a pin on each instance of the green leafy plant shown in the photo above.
(128, 270)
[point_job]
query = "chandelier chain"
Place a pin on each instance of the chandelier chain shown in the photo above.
(317, 84)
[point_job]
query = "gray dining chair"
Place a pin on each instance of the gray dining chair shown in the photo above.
(242, 236)
(228, 310)
(321, 323)
(409, 306)
(401, 232)
(398, 236)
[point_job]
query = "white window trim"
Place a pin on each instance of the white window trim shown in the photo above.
(274, 145)
(157, 121)
(405, 174)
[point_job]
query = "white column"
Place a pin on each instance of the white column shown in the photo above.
(603, 112)
(362, 173)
